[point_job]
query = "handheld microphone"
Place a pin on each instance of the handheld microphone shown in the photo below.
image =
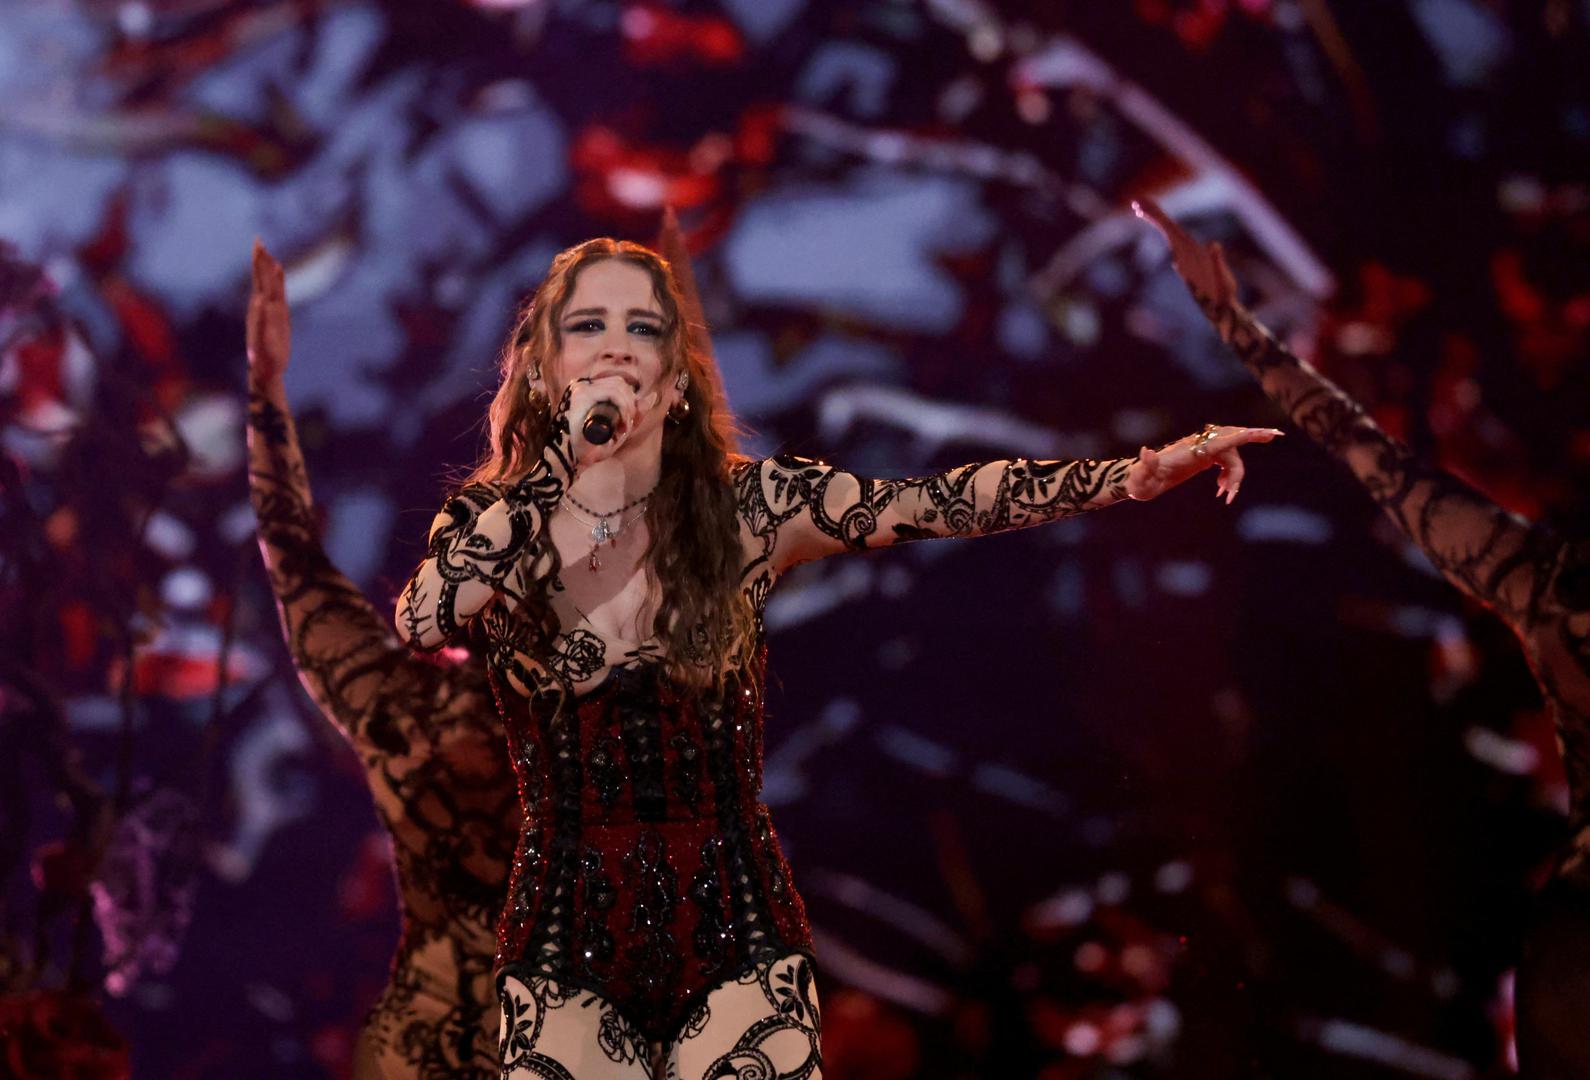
(601, 420)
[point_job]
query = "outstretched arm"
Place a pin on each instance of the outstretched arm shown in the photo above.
(796, 509)
(1492, 555)
(799, 509)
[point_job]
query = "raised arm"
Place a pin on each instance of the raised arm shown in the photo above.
(1494, 556)
(344, 650)
(795, 509)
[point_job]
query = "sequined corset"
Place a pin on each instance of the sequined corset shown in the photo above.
(651, 872)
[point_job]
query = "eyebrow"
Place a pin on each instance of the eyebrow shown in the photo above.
(647, 312)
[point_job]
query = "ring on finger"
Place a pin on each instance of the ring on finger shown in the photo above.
(1200, 446)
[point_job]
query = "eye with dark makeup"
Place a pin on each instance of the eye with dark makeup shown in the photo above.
(594, 326)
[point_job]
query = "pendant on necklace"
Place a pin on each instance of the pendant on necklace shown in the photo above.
(600, 534)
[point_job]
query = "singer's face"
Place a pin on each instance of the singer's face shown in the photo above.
(612, 324)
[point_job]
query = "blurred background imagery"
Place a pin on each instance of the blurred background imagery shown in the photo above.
(1174, 790)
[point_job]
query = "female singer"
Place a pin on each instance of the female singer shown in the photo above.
(651, 922)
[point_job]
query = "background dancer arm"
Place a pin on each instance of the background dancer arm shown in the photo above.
(345, 651)
(1494, 556)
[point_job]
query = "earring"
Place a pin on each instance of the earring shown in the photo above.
(680, 410)
(538, 399)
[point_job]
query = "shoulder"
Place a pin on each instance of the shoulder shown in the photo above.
(475, 496)
(795, 463)
(482, 491)
(781, 471)
(780, 489)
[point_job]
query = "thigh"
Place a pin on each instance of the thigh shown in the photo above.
(550, 1033)
(765, 1025)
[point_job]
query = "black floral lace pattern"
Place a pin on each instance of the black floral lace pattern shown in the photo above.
(487, 543)
(434, 760)
(784, 1044)
(794, 509)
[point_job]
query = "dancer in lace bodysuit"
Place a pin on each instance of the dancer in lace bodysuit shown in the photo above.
(427, 736)
(651, 923)
(1537, 582)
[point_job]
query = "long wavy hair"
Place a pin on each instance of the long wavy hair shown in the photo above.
(692, 558)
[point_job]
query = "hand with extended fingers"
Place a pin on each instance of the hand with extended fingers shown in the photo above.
(269, 332)
(1157, 471)
(1201, 266)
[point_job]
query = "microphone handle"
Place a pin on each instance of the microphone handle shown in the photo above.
(601, 420)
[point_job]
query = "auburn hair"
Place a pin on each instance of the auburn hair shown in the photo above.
(692, 557)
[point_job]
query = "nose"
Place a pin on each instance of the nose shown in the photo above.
(616, 347)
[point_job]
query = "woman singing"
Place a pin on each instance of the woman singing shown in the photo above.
(1538, 583)
(427, 736)
(651, 923)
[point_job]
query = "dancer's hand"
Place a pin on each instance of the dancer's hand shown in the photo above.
(269, 331)
(1202, 266)
(1157, 471)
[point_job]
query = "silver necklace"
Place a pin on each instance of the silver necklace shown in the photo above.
(601, 531)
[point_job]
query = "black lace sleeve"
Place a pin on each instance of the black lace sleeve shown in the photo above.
(486, 542)
(795, 509)
(1494, 556)
(1524, 572)
(346, 653)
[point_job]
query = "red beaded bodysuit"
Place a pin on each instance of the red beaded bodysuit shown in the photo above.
(651, 873)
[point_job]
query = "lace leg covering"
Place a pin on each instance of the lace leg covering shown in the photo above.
(552, 1033)
(765, 1025)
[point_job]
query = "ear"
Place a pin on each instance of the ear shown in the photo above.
(548, 372)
